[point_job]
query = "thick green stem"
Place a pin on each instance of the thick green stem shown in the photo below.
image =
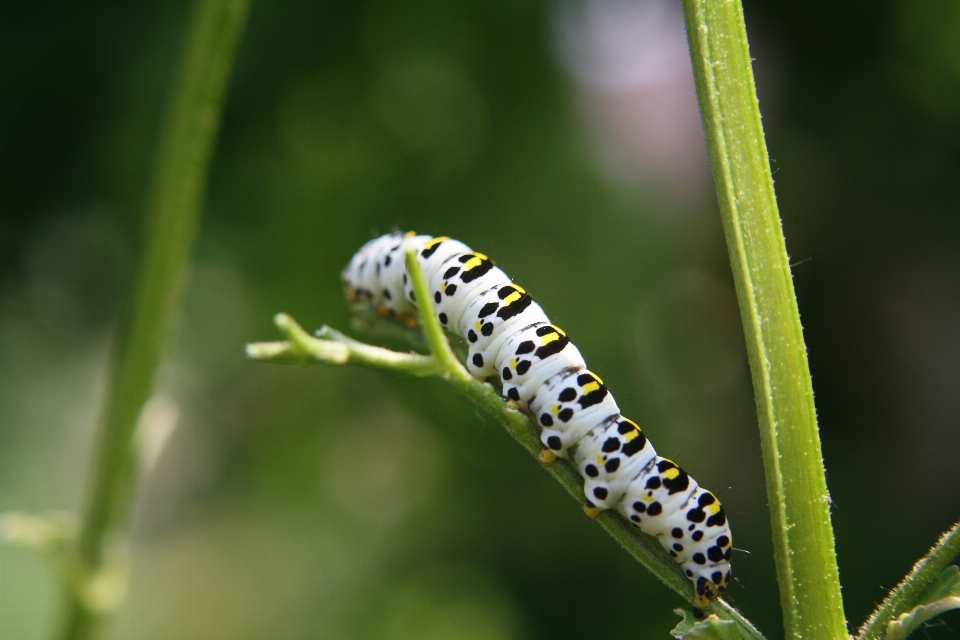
(172, 214)
(904, 596)
(796, 485)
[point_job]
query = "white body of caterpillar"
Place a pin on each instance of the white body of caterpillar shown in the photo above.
(543, 372)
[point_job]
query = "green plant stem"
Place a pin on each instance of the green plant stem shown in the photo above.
(904, 597)
(436, 339)
(796, 484)
(172, 214)
(334, 348)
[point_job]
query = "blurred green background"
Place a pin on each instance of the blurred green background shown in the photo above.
(563, 140)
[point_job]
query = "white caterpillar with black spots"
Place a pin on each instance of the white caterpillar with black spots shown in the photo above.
(543, 373)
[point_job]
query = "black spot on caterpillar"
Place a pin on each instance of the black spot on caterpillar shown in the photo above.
(580, 419)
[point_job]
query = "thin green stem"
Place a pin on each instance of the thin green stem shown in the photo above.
(172, 214)
(436, 338)
(796, 484)
(336, 349)
(904, 597)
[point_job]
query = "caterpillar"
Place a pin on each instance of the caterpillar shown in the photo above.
(543, 373)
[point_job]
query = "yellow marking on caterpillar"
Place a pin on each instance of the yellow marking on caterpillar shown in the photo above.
(556, 409)
(411, 234)
(472, 262)
(435, 242)
(713, 508)
(477, 325)
(480, 255)
(590, 386)
(558, 330)
(513, 297)
(547, 339)
(630, 436)
(513, 363)
(671, 473)
(546, 456)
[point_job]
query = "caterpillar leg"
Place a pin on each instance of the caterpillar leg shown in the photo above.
(546, 456)
(698, 613)
(590, 509)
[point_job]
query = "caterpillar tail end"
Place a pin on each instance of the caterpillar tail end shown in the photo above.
(590, 509)
(700, 602)
(546, 456)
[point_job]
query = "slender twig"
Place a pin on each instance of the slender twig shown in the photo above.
(336, 349)
(904, 597)
(173, 210)
(301, 347)
(436, 339)
(796, 484)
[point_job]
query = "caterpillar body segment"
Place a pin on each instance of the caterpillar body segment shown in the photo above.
(543, 373)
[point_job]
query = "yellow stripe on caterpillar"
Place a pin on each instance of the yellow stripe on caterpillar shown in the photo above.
(435, 242)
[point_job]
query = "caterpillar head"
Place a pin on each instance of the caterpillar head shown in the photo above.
(708, 566)
(709, 583)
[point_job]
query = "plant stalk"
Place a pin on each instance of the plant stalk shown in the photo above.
(172, 214)
(333, 348)
(796, 485)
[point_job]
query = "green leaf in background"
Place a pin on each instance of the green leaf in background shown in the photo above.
(942, 596)
(709, 628)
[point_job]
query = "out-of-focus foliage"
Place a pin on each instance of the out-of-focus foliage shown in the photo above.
(561, 139)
